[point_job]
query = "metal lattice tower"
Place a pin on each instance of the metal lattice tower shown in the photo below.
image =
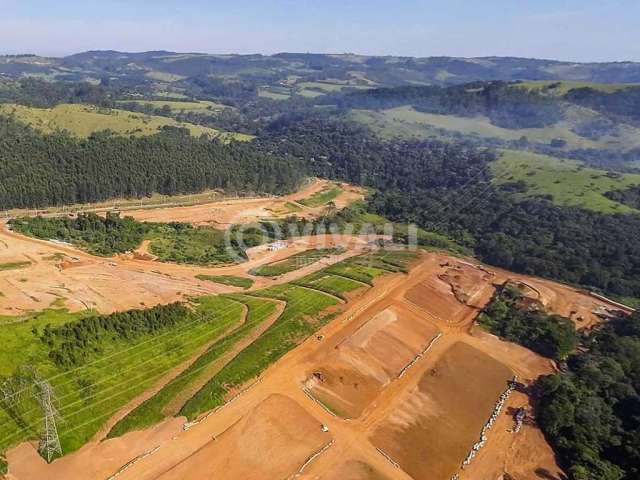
(49, 442)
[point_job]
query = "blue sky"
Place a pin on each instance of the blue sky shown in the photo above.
(584, 30)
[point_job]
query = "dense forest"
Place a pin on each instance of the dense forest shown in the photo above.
(590, 413)
(446, 187)
(102, 236)
(40, 170)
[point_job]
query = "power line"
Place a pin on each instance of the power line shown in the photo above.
(49, 441)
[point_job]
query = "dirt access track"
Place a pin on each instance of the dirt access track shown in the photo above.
(64, 276)
(277, 428)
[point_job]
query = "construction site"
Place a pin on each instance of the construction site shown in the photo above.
(399, 383)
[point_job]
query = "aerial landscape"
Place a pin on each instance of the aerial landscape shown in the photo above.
(224, 258)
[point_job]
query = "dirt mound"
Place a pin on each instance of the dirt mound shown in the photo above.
(368, 360)
(434, 426)
(263, 445)
(466, 280)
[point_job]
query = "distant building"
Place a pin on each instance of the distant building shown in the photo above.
(276, 246)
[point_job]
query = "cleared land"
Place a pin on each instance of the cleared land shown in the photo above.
(451, 404)
(83, 120)
(567, 182)
(375, 355)
(450, 389)
(224, 214)
(268, 445)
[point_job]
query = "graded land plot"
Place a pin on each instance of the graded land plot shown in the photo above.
(566, 182)
(452, 290)
(100, 373)
(266, 445)
(294, 262)
(83, 120)
(353, 375)
(436, 299)
(224, 214)
(61, 275)
(356, 269)
(436, 423)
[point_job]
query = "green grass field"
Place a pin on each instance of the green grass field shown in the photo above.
(83, 120)
(13, 265)
(567, 182)
(89, 394)
(302, 316)
(294, 262)
(324, 196)
(151, 411)
(406, 122)
(241, 282)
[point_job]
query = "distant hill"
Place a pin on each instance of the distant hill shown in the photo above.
(274, 69)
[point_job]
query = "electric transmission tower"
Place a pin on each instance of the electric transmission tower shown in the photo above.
(49, 442)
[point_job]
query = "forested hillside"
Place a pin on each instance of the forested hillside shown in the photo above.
(39, 170)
